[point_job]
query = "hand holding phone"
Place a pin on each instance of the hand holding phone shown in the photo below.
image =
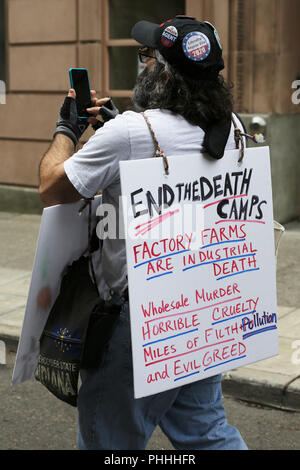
(68, 122)
(73, 117)
(107, 111)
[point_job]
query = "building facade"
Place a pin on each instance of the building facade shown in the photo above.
(41, 39)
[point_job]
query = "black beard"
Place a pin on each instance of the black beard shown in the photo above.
(145, 85)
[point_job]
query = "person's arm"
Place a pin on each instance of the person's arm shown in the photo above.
(55, 187)
(66, 176)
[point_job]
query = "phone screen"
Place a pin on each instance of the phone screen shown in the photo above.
(80, 83)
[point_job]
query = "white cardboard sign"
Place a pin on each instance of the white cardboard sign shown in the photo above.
(201, 266)
(63, 237)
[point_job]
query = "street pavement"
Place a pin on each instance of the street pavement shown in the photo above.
(273, 382)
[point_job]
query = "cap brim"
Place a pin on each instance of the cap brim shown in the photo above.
(144, 33)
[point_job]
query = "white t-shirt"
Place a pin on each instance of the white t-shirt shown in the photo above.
(96, 167)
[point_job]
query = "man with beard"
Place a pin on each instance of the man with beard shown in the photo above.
(188, 105)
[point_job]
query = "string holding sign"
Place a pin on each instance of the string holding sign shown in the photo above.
(158, 152)
(238, 137)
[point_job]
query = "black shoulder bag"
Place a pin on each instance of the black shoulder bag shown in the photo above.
(78, 328)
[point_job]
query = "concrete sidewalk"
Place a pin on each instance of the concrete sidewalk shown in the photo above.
(273, 382)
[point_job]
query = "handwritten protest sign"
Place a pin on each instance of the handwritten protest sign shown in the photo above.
(201, 266)
(63, 237)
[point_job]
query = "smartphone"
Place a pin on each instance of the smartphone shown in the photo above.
(79, 80)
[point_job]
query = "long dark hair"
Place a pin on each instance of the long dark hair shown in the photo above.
(201, 102)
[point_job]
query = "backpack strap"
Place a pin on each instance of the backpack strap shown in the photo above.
(158, 151)
(93, 241)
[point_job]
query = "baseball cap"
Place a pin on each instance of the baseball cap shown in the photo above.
(190, 46)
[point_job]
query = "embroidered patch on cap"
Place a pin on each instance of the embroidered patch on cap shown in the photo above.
(196, 46)
(169, 36)
(215, 33)
(218, 39)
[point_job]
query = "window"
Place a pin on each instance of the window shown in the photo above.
(2, 41)
(124, 14)
(120, 64)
